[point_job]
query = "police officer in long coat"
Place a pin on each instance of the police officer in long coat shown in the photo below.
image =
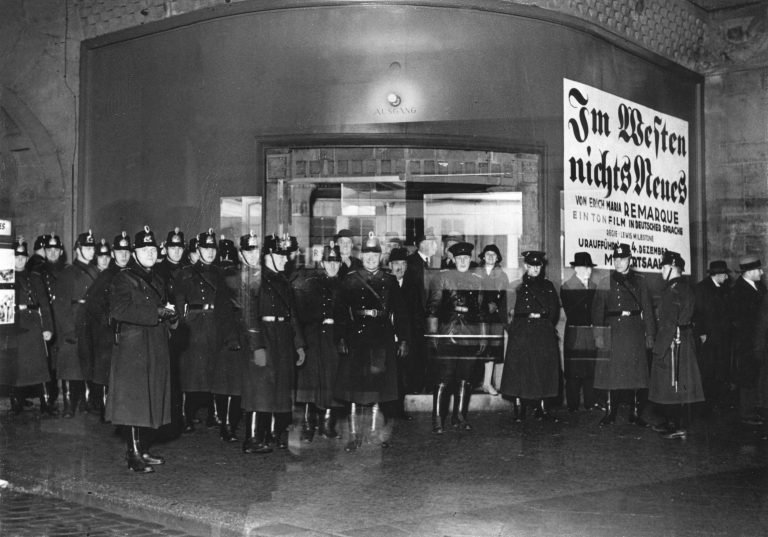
(675, 380)
(71, 323)
(228, 368)
(622, 314)
(747, 294)
(532, 361)
(140, 383)
(456, 319)
(101, 326)
(316, 295)
(275, 344)
(23, 354)
(368, 303)
(198, 290)
(712, 326)
(577, 295)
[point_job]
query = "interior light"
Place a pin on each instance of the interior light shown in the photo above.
(394, 99)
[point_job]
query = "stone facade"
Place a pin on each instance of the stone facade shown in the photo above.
(39, 91)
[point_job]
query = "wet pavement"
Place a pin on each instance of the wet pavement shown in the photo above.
(500, 479)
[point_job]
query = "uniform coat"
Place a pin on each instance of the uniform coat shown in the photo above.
(579, 340)
(676, 308)
(228, 364)
(195, 289)
(711, 320)
(455, 300)
(622, 362)
(23, 353)
(368, 372)
(494, 300)
(269, 316)
(743, 310)
(532, 361)
(316, 298)
(70, 317)
(140, 380)
(100, 328)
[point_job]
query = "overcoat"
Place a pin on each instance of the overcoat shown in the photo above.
(271, 325)
(316, 298)
(368, 372)
(744, 308)
(100, 328)
(140, 379)
(494, 303)
(199, 294)
(532, 361)
(622, 315)
(70, 319)
(228, 364)
(579, 351)
(23, 353)
(711, 319)
(675, 316)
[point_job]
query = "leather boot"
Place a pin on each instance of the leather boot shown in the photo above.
(376, 434)
(47, 408)
(635, 416)
(355, 440)
(438, 410)
(227, 430)
(610, 411)
(255, 433)
(463, 407)
(133, 455)
(68, 410)
(213, 420)
(186, 413)
(104, 397)
(281, 422)
(16, 403)
(328, 425)
(308, 423)
(518, 410)
(146, 456)
(543, 414)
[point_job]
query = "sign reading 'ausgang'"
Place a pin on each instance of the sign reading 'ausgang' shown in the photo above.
(625, 178)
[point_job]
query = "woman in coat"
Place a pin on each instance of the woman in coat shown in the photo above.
(675, 381)
(532, 363)
(140, 375)
(494, 283)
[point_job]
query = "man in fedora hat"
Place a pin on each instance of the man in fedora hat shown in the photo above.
(712, 327)
(577, 295)
(744, 302)
(344, 239)
(419, 273)
(622, 315)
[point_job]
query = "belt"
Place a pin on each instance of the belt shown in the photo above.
(579, 326)
(23, 307)
(624, 313)
(275, 319)
(529, 315)
(200, 306)
(327, 321)
(78, 301)
(371, 313)
(461, 309)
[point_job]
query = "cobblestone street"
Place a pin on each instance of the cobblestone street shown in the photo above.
(68, 477)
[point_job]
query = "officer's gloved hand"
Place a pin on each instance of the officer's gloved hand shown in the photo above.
(402, 349)
(341, 346)
(47, 335)
(649, 342)
(233, 345)
(432, 325)
(259, 357)
(302, 356)
(164, 314)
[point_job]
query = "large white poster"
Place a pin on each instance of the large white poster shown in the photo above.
(626, 178)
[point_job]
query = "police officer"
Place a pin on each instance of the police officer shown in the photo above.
(532, 361)
(96, 390)
(49, 273)
(675, 381)
(24, 356)
(174, 254)
(316, 300)
(622, 314)
(228, 367)
(577, 295)
(198, 290)
(140, 389)
(455, 312)
(368, 369)
(101, 327)
(37, 259)
(70, 320)
(274, 342)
